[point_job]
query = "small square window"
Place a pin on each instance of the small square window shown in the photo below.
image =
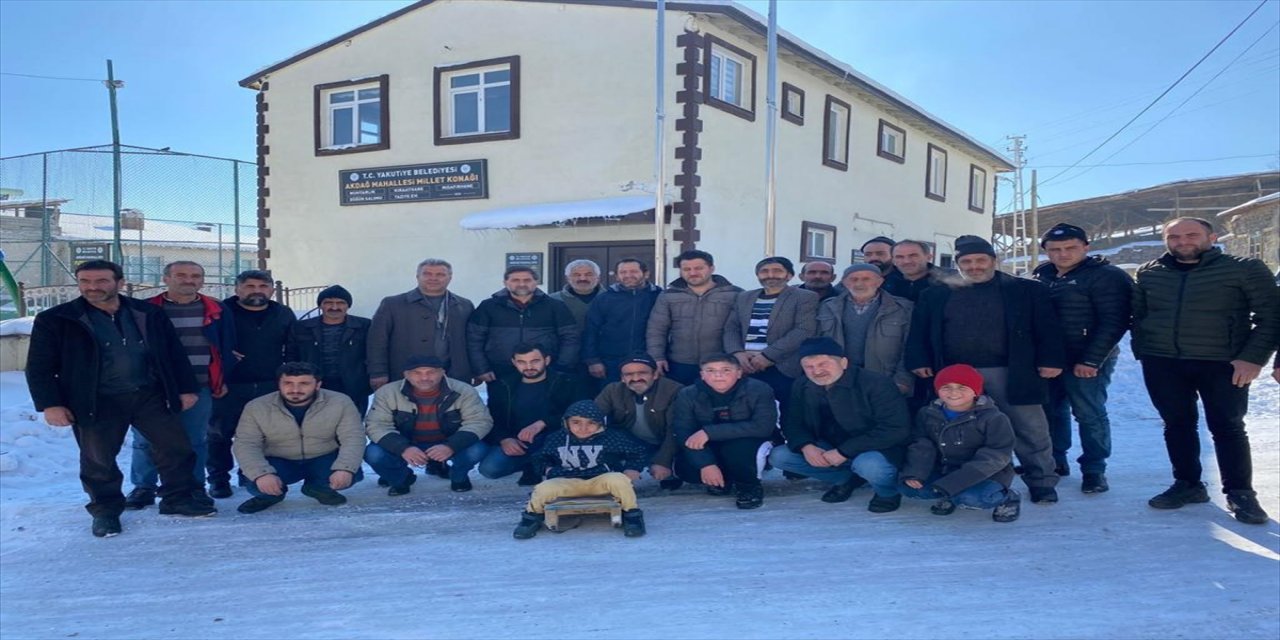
(352, 116)
(977, 189)
(478, 101)
(892, 143)
(792, 104)
(729, 82)
(835, 134)
(817, 242)
(935, 174)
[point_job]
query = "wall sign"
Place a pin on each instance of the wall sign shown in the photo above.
(461, 180)
(82, 252)
(531, 260)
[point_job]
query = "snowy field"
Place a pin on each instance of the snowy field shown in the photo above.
(435, 564)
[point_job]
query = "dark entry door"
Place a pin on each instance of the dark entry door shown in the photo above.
(605, 254)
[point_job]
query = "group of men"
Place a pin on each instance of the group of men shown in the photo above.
(819, 379)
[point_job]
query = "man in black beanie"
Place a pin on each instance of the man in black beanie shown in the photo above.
(336, 343)
(879, 251)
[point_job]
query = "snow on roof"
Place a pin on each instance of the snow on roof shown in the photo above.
(17, 326)
(1250, 204)
(77, 226)
(555, 212)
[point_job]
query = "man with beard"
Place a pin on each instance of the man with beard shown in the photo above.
(913, 271)
(642, 404)
(264, 330)
(879, 251)
(582, 285)
(818, 276)
(428, 320)
(1204, 323)
(616, 320)
(337, 344)
(524, 405)
(767, 326)
(102, 362)
(869, 324)
(687, 322)
(1006, 328)
(298, 433)
(520, 313)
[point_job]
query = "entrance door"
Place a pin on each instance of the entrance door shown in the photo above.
(605, 254)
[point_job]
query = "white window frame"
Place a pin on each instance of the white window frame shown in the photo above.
(331, 109)
(720, 57)
(450, 92)
(837, 118)
(889, 131)
(812, 231)
(977, 189)
(792, 104)
(935, 183)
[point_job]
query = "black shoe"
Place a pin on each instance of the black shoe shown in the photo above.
(106, 526)
(841, 492)
(259, 503)
(1094, 483)
(720, 491)
(943, 507)
(383, 483)
(461, 486)
(750, 496)
(401, 489)
(881, 504)
(140, 498)
(1009, 510)
(220, 489)
(671, 483)
(1180, 494)
(1018, 469)
(1062, 469)
(633, 523)
(529, 478)
(529, 525)
(437, 469)
(323, 495)
(1043, 495)
(188, 508)
(1243, 503)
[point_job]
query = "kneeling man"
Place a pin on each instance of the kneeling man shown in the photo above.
(298, 433)
(642, 404)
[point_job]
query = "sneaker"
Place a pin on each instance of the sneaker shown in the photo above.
(220, 489)
(1062, 469)
(633, 523)
(1180, 494)
(671, 483)
(323, 495)
(461, 486)
(140, 498)
(1244, 504)
(1010, 509)
(1043, 495)
(106, 526)
(943, 507)
(1094, 483)
(401, 489)
(841, 492)
(750, 496)
(259, 503)
(437, 469)
(529, 478)
(188, 508)
(529, 525)
(883, 504)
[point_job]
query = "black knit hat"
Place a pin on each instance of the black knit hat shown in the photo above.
(822, 346)
(969, 245)
(585, 409)
(336, 291)
(419, 361)
(880, 239)
(1064, 231)
(640, 358)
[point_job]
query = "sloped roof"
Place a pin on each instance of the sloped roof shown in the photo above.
(78, 226)
(1256, 202)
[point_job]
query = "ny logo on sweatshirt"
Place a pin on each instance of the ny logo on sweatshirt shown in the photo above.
(579, 456)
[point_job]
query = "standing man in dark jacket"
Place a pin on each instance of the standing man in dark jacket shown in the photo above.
(914, 271)
(520, 314)
(617, 319)
(208, 335)
(264, 332)
(819, 277)
(102, 362)
(1204, 323)
(428, 320)
(1092, 299)
(879, 251)
(844, 421)
(337, 344)
(1006, 328)
(642, 403)
(687, 322)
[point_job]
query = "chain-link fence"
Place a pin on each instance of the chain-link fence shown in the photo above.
(57, 209)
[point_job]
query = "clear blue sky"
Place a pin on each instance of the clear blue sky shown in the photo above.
(1066, 74)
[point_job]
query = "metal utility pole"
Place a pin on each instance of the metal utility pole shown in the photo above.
(1018, 243)
(1035, 221)
(660, 153)
(112, 84)
(771, 136)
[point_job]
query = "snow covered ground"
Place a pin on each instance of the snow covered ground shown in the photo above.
(437, 564)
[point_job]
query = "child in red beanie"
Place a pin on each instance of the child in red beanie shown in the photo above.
(962, 450)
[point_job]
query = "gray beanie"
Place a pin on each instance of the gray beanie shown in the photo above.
(861, 266)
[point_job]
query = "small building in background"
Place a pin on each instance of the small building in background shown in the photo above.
(1253, 230)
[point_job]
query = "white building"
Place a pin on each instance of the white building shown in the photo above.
(538, 120)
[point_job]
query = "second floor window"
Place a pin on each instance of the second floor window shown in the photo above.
(935, 174)
(352, 116)
(478, 101)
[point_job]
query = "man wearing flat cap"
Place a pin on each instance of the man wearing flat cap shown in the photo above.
(336, 343)
(641, 403)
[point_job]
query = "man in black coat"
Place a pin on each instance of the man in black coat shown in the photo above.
(1006, 328)
(1092, 299)
(914, 271)
(102, 362)
(617, 319)
(520, 313)
(336, 343)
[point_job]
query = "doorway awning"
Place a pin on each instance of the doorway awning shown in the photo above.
(549, 213)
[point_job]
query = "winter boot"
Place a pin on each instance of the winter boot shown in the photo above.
(1043, 495)
(401, 489)
(259, 503)
(529, 525)
(140, 498)
(460, 486)
(750, 496)
(106, 526)
(1094, 483)
(885, 504)
(1180, 494)
(943, 507)
(720, 491)
(633, 523)
(220, 489)
(187, 507)
(1009, 510)
(324, 495)
(1245, 505)
(529, 478)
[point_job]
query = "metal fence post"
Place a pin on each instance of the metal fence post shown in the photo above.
(235, 189)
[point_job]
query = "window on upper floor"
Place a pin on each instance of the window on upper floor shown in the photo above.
(935, 174)
(835, 134)
(352, 116)
(892, 143)
(792, 104)
(478, 101)
(729, 81)
(977, 189)
(817, 242)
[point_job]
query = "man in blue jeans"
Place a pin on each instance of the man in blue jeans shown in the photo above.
(845, 420)
(1093, 301)
(208, 337)
(426, 417)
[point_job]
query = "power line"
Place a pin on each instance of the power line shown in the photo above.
(28, 75)
(1161, 96)
(1135, 164)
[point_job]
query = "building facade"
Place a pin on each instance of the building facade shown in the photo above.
(1253, 230)
(496, 132)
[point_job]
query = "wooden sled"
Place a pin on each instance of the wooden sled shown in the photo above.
(587, 505)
